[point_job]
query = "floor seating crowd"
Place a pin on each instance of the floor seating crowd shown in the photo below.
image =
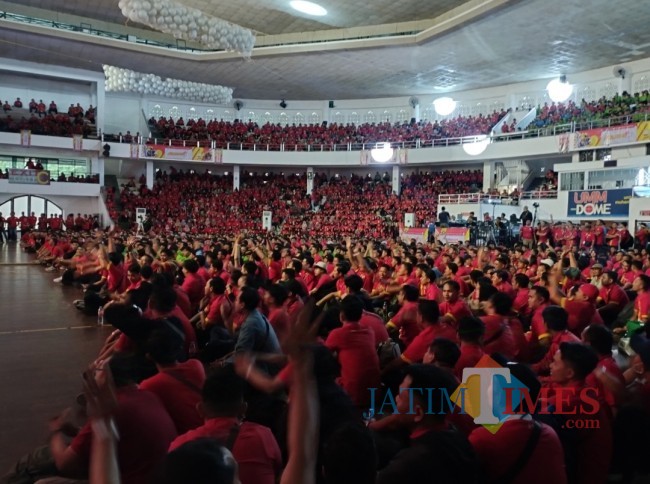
(250, 133)
(193, 314)
(47, 120)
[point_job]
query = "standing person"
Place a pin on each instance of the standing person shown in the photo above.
(12, 225)
(526, 216)
(443, 217)
(3, 234)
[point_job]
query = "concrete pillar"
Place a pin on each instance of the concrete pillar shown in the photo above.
(100, 106)
(310, 180)
(488, 177)
(396, 180)
(235, 177)
(97, 166)
(415, 113)
(149, 174)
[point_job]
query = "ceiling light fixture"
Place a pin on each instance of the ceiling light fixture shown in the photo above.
(559, 90)
(444, 106)
(309, 8)
(382, 152)
(478, 146)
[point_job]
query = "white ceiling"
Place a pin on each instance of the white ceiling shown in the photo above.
(528, 39)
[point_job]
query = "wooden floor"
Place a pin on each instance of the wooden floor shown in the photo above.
(45, 344)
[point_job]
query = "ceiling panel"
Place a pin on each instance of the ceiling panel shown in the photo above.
(509, 46)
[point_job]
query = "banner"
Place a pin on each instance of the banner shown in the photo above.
(30, 177)
(599, 203)
(267, 223)
(452, 235)
(614, 135)
(420, 235)
(399, 156)
(563, 142)
(77, 142)
(135, 151)
(25, 137)
(218, 155)
(178, 153)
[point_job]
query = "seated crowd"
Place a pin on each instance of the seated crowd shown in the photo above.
(47, 120)
(301, 135)
(635, 105)
(264, 355)
(202, 203)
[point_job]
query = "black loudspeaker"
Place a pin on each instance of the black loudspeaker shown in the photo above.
(107, 150)
(413, 121)
(610, 163)
(331, 104)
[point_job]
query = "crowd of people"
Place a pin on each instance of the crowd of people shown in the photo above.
(625, 104)
(309, 354)
(302, 135)
(47, 120)
(333, 208)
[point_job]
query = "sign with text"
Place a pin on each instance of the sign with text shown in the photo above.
(452, 235)
(29, 177)
(613, 135)
(599, 203)
(177, 153)
(419, 234)
(267, 220)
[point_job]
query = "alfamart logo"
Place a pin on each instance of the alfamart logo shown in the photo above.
(490, 394)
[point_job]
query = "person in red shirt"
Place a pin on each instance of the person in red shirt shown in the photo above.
(538, 300)
(527, 234)
(355, 348)
(428, 287)
(587, 450)
(470, 333)
(453, 307)
(498, 452)
(520, 283)
(641, 286)
(581, 307)
(12, 224)
(500, 282)
(498, 337)
(192, 284)
(406, 318)
(178, 385)
(275, 296)
(543, 233)
(556, 322)
(611, 298)
(607, 375)
(222, 405)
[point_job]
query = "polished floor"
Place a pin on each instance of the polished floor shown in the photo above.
(45, 344)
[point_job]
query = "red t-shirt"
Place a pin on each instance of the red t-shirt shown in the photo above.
(179, 397)
(193, 286)
(520, 303)
(498, 336)
(470, 355)
(457, 309)
(279, 320)
(581, 314)
(214, 313)
(544, 364)
(642, 305)
(256, 451)
(358, 358)
(415, 352)
(145, 429)
(376, 325)
(431, 292)
(406, 320)
(614, 294)
(498, 452)
(183, 301)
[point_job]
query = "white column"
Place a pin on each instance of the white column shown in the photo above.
(488, 168)
(97, 166)
(150, 174)
(415, 113)
(396, 180)
(100, 106)
(235, 177)
(310, 180)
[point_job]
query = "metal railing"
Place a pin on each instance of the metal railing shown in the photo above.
(538, 195)
(415, 144)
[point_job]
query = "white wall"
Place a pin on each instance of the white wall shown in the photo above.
(124, 114)
(26, 87)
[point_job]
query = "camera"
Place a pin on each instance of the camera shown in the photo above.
(536, 205)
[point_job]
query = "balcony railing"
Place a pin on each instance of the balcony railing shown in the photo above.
(416, 144)
(538, 195)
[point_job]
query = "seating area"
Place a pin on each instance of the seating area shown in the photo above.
(603, 108)
(205, 204)
(48, 121)
(322, 134)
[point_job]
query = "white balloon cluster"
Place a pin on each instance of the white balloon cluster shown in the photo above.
(126, 80)
(189, 24)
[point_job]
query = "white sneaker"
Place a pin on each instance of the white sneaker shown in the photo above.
(58, 280)
(50, 269)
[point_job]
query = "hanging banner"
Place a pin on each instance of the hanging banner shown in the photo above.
(452, 235)
(421, 235)
(176, 153)
(29, 177)
(77, 142)
(599, 203)
(25, 137)
(398, 155)
(218, 156)
(135, 151)
(613, 135)
(267, 217)
(563, 142)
